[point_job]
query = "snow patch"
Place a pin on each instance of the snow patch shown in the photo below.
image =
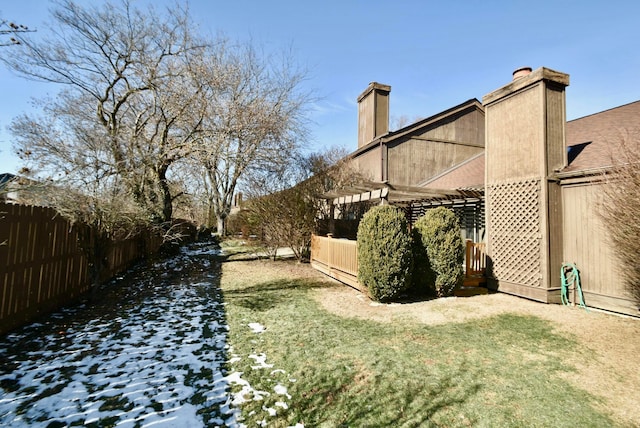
(155, 356)
(270, 410)
(247, 392)
(282, 390)
(261, 362)
(257, 327)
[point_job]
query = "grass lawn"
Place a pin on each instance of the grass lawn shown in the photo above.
(308, 366)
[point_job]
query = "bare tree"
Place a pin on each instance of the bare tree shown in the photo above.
(143, 95)
(288, 217)
(620, 208)
(254, 126)
(11, 29)
(124, 70)
(399, 122)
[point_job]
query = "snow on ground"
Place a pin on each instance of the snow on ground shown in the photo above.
(256, 327)
(147, 351)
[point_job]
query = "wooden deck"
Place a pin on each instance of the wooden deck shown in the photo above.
(475, 278)
(338, 258)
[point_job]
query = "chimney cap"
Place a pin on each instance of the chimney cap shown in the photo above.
(521, 72)
(379, 87)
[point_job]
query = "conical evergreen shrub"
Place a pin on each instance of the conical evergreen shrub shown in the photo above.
(437, 235)
(385, 260)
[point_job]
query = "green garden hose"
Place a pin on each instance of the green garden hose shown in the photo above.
(571, 281)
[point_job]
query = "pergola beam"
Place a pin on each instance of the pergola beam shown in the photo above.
(362, 197)
(395, 194)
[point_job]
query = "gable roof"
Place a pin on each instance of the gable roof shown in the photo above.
(6, 177)
(597, 140)
(472, 104)
(463, 176)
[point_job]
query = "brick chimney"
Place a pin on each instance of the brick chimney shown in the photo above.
(373, 113)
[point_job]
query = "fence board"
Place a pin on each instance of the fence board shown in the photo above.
(475, 258)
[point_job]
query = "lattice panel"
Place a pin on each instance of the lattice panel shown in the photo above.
(514, 213)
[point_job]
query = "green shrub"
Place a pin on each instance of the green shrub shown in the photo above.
(385, 260)
(437, 235)
(423, 279)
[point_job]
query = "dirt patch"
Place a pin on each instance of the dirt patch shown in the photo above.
(608, 369)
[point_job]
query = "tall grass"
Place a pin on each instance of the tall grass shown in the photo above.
(341, 372)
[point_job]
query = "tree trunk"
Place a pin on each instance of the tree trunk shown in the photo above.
(211, 212)
(222, 210)
(167, 200)
(222, 225)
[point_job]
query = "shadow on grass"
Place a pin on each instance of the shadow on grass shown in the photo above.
(410, 402)
(267, 295)
(165, 321)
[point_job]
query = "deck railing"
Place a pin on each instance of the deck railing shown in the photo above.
(475, 258)
(337, 258)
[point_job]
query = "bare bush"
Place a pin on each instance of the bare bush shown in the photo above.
(287, 217)
(620, 209)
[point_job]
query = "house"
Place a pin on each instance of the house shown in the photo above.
(400, 164)
(410, 155)
(22, 190)
(8, 192)
(519, 176)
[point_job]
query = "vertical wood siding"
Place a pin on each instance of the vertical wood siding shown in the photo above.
(587, 244)
(419, 157)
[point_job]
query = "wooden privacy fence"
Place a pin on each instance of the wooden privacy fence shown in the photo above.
(43, 264)
(337, 258)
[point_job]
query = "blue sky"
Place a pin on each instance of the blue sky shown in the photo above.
(433, 54)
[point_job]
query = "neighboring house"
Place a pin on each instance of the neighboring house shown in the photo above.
(8, 192)
(21, 190)
(519, 176)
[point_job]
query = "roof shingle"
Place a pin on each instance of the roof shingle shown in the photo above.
(599, 139)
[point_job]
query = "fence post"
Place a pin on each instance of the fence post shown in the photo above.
(330, 251)
(468, 248)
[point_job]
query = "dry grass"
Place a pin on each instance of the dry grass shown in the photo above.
(608, 370)
(605, 358)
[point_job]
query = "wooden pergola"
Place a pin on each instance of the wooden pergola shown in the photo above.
(402, 196)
